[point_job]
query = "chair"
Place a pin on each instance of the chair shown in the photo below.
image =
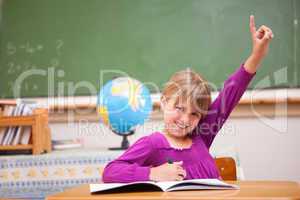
(227, 168)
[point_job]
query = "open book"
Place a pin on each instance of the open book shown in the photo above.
(166, 186)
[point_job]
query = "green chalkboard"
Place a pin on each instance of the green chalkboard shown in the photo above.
(72, 47)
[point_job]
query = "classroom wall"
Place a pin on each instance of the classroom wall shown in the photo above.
(265, 150)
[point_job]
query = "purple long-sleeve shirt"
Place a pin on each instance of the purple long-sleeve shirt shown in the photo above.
(154, 150)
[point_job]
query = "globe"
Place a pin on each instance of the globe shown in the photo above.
(123, 104)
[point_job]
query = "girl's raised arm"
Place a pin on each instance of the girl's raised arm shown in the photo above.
(235, 85)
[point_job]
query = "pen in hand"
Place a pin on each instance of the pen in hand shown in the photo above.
(170, 161)
(169, 171)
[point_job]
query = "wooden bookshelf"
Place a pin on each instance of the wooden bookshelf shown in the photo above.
(16, 147)
(40, 139)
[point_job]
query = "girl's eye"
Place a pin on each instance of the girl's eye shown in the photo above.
(196, 114)
(179, 108)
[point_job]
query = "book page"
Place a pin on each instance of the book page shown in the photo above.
(194, 184)
(105, 186)
(165, 185)
(101, 187)
(199, 187)
(215, 182)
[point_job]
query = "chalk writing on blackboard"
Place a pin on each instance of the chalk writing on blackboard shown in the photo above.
(10, 49)
(23, 62)
(59, 44)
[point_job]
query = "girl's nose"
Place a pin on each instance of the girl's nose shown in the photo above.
(185, 118)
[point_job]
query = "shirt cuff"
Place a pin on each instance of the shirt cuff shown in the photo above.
(142, 173)
(243, 76)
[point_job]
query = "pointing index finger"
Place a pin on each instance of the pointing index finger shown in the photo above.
(252, 25)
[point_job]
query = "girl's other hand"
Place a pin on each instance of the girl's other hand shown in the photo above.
(168, 172)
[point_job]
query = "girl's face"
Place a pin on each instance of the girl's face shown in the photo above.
(180, 119)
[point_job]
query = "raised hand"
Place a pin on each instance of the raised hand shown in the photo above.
(261, 39)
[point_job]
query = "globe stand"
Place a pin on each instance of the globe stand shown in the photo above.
(125, 142)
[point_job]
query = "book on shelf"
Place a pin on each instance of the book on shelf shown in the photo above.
(17, 137)
(9, 130)
(67, 144)
(26, 130)
(25, 135)
(2, 133)
(16, 130)
(14, 135)
(8, 135)
(8, 110)
(166, 186)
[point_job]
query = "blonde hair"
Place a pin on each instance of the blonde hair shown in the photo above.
(190, 87)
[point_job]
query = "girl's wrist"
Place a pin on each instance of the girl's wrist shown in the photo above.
(252, 63)
(256, 58)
